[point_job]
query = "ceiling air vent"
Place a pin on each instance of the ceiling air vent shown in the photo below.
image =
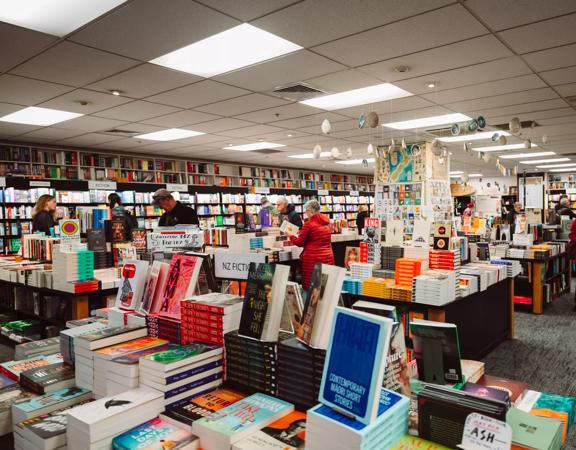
(266, 151)
(118, 132)
(297, 92)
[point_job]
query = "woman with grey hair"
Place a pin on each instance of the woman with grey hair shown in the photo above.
(316, 238)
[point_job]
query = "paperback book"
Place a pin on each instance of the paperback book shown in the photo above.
(154, 287)
(50, 378)
(156, 434)
(287, 433)
(43, 404)
(134, 274)
(13, 369)
(180, 283)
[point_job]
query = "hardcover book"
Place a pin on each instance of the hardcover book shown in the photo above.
(515, 389)
(130, 293)
(96, 240)
(180, 284)
(153, 288)
(287, 433)
(156, 434)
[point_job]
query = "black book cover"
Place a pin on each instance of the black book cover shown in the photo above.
(256, 300)
(96, 240)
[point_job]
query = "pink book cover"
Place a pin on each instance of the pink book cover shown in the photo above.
(154, 287)
(180, 282)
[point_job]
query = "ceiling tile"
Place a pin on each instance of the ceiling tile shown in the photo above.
(181, 118)
(49, 134)
(345, 80)
(88, 139)
(401, 104)
(315, 119)
(73, 64)
(150, 29)
(8, 108)
(552, 59)
(555, 77)
(15, 129)
(520, 12)
(247, 11)
(280, 112)
(542, 35)
(566, 90)
(245, 104)
(136, 111)
(120, 144)
(278, 72)
(198, 94)
(96, 101)
(313, 22)
(440, 27)
(257, 131)
(476, 106)
(18, 44)
(567, 115)
(141, 128)
(280, 136)
(144, 80)
(25, 91)
(90, 124)
(471, 51)
(162, 146)
(525, 108)
(205, 139)
(218, 125)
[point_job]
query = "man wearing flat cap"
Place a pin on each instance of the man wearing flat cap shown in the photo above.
(175, 212)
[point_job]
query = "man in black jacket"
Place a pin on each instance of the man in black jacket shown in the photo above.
(288, 212)
(175, 212)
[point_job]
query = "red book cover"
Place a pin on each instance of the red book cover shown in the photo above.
(204, 337)
(180, 282)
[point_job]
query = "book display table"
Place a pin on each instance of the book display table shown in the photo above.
(484, 319)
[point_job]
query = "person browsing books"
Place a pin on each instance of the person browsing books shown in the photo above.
(120, 213)
(288, 212)
(44, 215)
(316, 238)
(362, 214)
(175, 212)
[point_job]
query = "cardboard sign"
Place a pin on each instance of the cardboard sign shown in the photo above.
(234, 266)
(69, 231)
(173, 187)
(165, 240)
(102, 185)
(485, 433)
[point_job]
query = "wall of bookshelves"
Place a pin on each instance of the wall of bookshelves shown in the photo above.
(36, 162)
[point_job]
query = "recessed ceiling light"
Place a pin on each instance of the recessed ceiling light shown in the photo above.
(356, 97)
(455, 176)
(289, 135)
(569, 169)
(260, 140)
(526, 155)
(475, 175)
(544, 161)
(555, 166)
(229, 50)
(56, 17)
(456, 172)
(473, 137)
(431, 84)
(115, 92)
(499, 148)
(310, 155)
(427, 121)
(401, 69)
(355, 161)
(170, 134)
(39, 116)
(255, 146)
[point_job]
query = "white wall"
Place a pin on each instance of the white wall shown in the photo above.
(501, 183)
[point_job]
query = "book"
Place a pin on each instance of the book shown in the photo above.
(229, 425)
(287, 433)
(108, 336)
(6, 382)
(534, 432)
(131, 290)
(156, 434)
(437, 351)
(180, 283)
(515, 389)
(96, 239)
(115, 351)
(50, 378)
(355, 362)
(264, 301)
(13, 369)
(127, 364)
(179, 356)
(293, 306)
(484, 391)
(322, 297)
(153, 288)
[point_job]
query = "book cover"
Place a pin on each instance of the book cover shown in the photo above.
(352, 255)
(60, 396)
(134, 357)
(408, 442)
(287, 433)
(256, 300)
(156, 434)
(355, 362)
(41, 378)
(130, 293)
(515, 389)
(13, 369)
(180, 284)
(96, 239)
(396, 373)
(531, 431)
(105, 333)
(114, 351)
(313, 296)
(293, 306)
(484, 391)
(153, 288)
(6, 382)
(12, 395)
(186, 354)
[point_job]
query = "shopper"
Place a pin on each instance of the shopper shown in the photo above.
(266, 208)
(175, 212)
(44, 215)
(362, 214)
(469, 211)
(558, 205)
(565, 209)
(316, 238)
(288, 212)
(511, 216)
(119, 212)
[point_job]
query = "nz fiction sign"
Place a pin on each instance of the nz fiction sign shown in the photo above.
(234, 266)
(170, 239)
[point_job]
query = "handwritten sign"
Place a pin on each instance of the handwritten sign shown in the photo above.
(102, 185)
(173, 187)
(39, 184)
(234, 266)
(262, 190)
(169, 239)
(485, 433)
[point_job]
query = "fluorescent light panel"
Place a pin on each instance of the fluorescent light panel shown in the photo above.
(229, 50)
(169, 135)
(563, 170)
(526, 155)
(255, 146)
(41, 117)
(500, 148)
(356, 97)
(427, 121)
(309, 155)
(555, 166)
(473, 137)
(56, 17)
(456, 172)
(354, 161)
(475, 175)
(544, 161)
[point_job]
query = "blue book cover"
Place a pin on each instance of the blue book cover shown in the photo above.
(6, 382)
(194, 371)
(193, 385)
(153, 435)
(355, 363)
(42, 401)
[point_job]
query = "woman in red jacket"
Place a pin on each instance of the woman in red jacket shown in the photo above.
(316, 238)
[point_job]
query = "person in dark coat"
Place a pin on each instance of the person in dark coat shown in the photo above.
(316, 238)
(175, 212)
(288, 212)
(362, 214)
(44, 215)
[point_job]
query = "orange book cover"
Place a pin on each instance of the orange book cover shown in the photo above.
(131, 346)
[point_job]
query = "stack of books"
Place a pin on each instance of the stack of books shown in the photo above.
(352, 286)
(8, 396)
(182, 372)
(67, 338)
(447, 260)
(361, 271)
(326, 428)
(407, 269)
(251, 365)
(22, 330)
(36, 348)
(513, 267)
(389, 256)
(434, 287)
(375, 287)
(13, 369)
(519, 253)
(155, 434)
(94, 425)
(50, 378)
(472, 370)
(86, 344)
(72, 265)
(530, 431)
(208, 317)
(164, 328)
(287, 433)
(299, 373)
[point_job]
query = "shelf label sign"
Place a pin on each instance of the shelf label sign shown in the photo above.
(173, 187)
(2, 181)
(262, 190)
(234, 266)
(323, 192)
(170, 239)
(69, 231)
(34, 183)
(354, 193)
(485, 433)
(102, 185)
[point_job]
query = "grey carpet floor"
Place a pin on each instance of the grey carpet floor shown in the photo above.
(543, 353)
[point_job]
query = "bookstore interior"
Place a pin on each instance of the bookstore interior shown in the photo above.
(284, 224)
